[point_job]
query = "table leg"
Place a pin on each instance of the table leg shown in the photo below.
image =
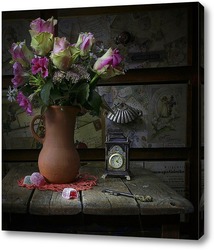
(171, 227)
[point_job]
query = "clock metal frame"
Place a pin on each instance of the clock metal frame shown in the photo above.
(117, 144)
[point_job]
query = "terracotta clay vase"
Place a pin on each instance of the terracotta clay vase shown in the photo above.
(59, 160)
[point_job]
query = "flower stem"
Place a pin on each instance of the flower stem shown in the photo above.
(94, 80)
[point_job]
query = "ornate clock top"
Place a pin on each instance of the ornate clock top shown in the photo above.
(116, 136)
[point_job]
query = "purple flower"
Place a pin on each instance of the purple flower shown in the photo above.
(24, 103)
(20, 53)
(40, 64)
(18, 72)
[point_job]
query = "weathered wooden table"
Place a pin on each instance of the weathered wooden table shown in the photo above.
(95, 212)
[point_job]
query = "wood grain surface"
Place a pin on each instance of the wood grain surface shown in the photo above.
(95, 202)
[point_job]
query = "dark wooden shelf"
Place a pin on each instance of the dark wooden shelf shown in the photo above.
(139, 76)
(136, 154)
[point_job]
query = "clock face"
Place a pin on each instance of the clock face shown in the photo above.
(116, 161)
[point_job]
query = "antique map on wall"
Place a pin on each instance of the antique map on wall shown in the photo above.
(158, 38)
(163, 119)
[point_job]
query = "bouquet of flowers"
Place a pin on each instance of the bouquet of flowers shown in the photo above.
(55, 72)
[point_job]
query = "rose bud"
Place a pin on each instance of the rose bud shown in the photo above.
(108, 65)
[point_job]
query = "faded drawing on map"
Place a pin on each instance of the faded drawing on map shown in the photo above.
(163, 119)
(167, 116)
(88, 132)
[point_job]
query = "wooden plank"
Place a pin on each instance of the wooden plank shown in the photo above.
(165, 199)
(16, 199)
(52, 203)
(96, 202)
(39, 203)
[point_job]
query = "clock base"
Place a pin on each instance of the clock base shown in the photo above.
(118, 174)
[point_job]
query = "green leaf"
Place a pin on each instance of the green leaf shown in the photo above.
(83, 93)
(55, 94)
(64, 86)
(27, 90)
(45, 93)
(95, 101)
(43, 109)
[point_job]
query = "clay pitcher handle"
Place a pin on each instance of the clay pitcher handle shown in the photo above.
(35, 135)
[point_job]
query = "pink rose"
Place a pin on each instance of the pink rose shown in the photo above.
(39, 25)
(60, 44)
(107, 66)
(63, 54)
(84, 43)
(42, 35)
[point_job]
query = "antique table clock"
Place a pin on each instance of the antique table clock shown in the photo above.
(117, 155)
